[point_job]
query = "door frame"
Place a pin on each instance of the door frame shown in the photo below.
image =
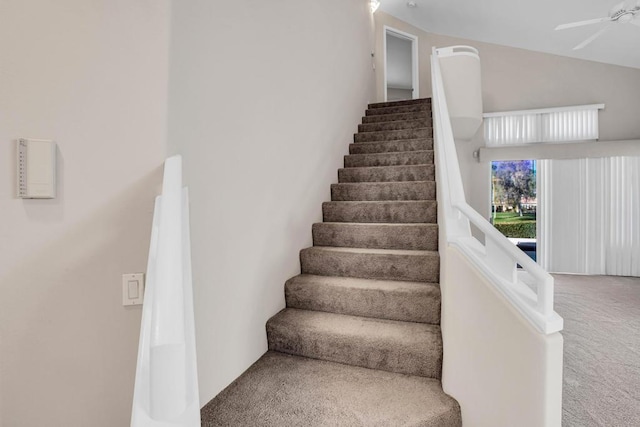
(414, 59)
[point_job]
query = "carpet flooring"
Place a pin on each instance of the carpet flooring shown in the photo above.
(601, 350)
(286, 390)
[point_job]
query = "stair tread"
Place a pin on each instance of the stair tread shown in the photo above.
(400, 103)
(404, 252)
(371, 263)
(393, 135)
(384, 299)
(378, 224)
(391, 117)
(378, 202)
(390, 153)
(411, 236)
(356, 282)
(331, 394)
(395, 140)
(414, 123)
(396, 130)
(391, 158)
(420, 118)
(383, 183)
(403, 347)
(398, 146)
(423, 165)
(396, 332)
(383, 190)
(398, 109)
(381, 211)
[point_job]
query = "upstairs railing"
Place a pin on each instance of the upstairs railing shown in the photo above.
(497, 258)
(166, 386)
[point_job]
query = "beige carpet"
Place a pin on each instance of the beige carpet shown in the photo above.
(601, 350)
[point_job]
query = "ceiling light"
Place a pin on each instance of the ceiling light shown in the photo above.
(374, 5)
(411, 4)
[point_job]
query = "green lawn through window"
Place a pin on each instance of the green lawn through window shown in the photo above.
(502, 217)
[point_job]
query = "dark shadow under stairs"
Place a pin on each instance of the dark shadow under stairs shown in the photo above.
(359, 343)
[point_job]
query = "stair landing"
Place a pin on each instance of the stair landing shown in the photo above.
(309, 392)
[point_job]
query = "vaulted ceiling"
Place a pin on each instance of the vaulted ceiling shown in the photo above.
(528, 24)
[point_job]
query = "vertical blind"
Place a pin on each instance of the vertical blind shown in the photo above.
(590, 215)
(579, 123)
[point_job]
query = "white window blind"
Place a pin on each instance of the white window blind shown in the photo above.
(577, 123)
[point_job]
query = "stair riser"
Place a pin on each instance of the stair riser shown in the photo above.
(397, 125)
(389, 159)
(405, 109)
(387, 174)
(391, 146)
(376, 236)
(408, 360)
(417, 268)
(420, 101)
(383, 118)
(384, 191)
(389, 213)
(421, 304)
(392, 135)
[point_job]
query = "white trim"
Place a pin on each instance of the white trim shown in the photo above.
(415, 71)
(561, 150)
(415, 62)
(545, 110)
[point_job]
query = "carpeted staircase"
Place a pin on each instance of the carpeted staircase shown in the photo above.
(359, 343)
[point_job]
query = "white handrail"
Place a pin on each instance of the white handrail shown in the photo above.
(166, 386)
(497, 258)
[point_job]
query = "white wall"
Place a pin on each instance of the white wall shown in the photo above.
(264, 99)
(518, 79)
(93, 76)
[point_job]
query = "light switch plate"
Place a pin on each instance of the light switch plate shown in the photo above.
(132, 289)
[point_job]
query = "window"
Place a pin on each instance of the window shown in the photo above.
(579, 123)
(514, 202)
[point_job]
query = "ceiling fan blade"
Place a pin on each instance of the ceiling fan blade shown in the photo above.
(581, 23)
(592, 38)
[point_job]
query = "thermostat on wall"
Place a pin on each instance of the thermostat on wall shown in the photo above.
(36, 169)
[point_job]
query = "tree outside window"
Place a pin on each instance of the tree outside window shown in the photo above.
(514, 197)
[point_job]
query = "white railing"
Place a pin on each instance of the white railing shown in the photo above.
(166, 386)
(497, 258)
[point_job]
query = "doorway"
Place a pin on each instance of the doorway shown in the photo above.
(400, 65)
